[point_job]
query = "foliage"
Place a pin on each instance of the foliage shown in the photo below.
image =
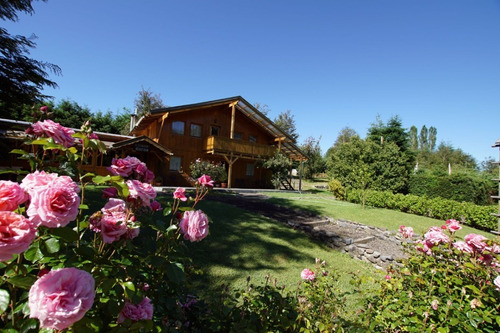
(262, 108)
(22, 78)
(315, 164)
(460, 186)
(146, 101)
(286, 123)
(393, 132)
(446, 288)
(279, 165)
(336, 188)
(470, 214)
(366, 164)
(216, 171)
(132, 254)
(443, 157)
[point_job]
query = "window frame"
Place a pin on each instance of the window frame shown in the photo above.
(170, 163)
(176, 130)
(191, 130)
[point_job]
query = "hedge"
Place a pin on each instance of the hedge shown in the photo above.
(468, 213)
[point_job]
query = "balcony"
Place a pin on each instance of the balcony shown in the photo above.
(224, 146)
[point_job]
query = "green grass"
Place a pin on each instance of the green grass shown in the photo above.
(242, 244)
(323, 203)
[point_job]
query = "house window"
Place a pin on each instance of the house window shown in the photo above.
(237, 136)
(252, 138)
(250, 170)
(196, 130)
(178, 127)
(175, 163)
(214, 130)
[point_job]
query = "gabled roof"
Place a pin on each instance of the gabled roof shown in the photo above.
(141, 139)
(287, 144)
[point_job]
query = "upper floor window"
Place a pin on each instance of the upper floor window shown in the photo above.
(252, 138)
(214, 130)
(237, 136)
(196, 130)
(178, 127)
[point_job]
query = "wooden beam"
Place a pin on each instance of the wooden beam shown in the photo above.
(233, 118)
(230, 160)
(163, 118)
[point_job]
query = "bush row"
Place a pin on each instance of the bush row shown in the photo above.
(442, 209)
(459, 187)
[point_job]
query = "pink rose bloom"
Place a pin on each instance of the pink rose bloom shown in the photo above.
(463, 246)
(37, 178)
(194, 225)
(476, 242)
(124, 166)
(61, 297)
(406, 232)
(180, 193)
(434, 304)
(136, 312)
(93, 136)
(495, 248)
(55, 204)
(496, 282)
(60, 134)
(141, 191)
(155, 206)
(144, 173)
(424, 246)
(16, 234)
(110, 192)
(453, 225)
(11, 195)
(205, 180)
(44, 109)
(112, 222)
(307, 275)
(436, 237)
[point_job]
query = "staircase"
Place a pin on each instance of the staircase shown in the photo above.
(286, 185)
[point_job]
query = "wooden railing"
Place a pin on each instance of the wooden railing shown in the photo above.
(217, 144)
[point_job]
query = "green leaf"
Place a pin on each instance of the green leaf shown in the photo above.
(18, 151)
(101, 179)
(52, 245)
(83, 206)
(167, 211)
(175, 272)
(28, 325)
(66, 233)
(4, 300)
(23, 282)
(33, 253)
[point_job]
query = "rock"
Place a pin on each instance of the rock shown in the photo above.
(376, 254)
(386, 258)
(369, 251)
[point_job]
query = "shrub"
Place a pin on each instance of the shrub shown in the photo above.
(337, 189)
(444, 286)
(216, 171)
(473, 215)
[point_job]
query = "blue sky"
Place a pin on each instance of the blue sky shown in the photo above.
(332, 63)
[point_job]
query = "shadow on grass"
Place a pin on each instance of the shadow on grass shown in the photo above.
(241, 243)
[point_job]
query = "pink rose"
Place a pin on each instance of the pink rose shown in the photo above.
(476, 242)
(37, 178)
(406, 232)
(205, 180)
(180, 193)
(307, 275)
(496, 282)
(60, 134)
(136, 312)
(424, 246)
(110, 192)
(124, 166)
(453, 225)
(155, 206)
(44, 109)
(61, 297)
(143, 173)
(112, 222)
(436, 237)
(16, 234)
(55, 204)
(434, 304)
(93, 136)
(463, 246)
(11, 195)
(140, 191)
(194, 225)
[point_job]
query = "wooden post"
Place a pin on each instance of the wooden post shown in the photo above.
(230, 161)
(233, 118)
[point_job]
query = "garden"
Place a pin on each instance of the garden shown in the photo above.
(86, 253)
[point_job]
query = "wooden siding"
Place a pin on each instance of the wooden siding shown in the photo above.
(220, 145)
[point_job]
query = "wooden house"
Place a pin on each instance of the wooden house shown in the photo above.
(228, 131)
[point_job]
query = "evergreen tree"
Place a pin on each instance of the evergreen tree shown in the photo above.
(424, 138)
(432, 138)
(22, 78)
(413, 136)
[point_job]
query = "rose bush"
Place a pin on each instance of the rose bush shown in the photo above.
(122, 268)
